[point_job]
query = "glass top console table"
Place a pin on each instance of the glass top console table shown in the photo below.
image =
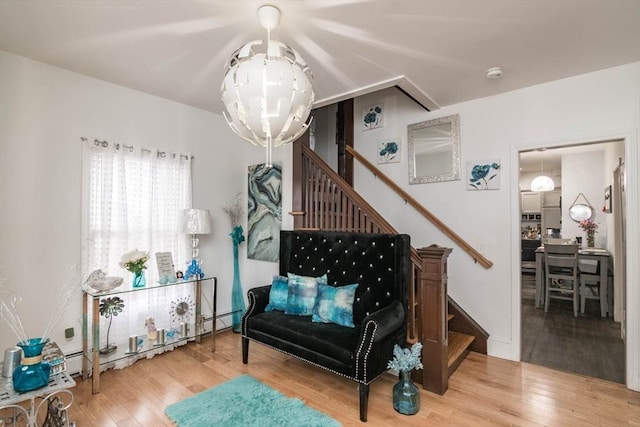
(91, 347)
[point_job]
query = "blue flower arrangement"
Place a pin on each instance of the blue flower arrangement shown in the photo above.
(405, 360)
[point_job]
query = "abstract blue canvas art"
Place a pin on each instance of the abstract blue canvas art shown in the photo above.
(264, 212)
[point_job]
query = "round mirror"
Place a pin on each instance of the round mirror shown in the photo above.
(581, 212)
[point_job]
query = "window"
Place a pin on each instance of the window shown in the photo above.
(131, 200)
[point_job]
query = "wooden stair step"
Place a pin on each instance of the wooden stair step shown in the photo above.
(449, 316)
(458, 349)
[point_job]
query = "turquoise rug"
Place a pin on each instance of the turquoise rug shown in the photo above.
(243, 402)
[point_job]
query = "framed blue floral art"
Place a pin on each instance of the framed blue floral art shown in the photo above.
(389, 150)
(373, 116)
(483, 175)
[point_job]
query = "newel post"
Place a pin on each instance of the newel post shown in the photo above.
(433, 312)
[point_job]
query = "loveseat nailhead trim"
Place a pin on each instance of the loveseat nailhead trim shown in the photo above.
(315, 364)
(364, 339)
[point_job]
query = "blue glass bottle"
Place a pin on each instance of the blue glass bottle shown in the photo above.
(406, 396)
(33, 372)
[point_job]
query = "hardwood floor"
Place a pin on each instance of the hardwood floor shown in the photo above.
(483, 391)
(587, 344)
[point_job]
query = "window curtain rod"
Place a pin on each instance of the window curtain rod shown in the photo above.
(102, 143)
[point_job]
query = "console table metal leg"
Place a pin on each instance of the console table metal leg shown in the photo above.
(95, 369)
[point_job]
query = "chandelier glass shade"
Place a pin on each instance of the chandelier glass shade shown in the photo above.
(542, 182)
(267, 91)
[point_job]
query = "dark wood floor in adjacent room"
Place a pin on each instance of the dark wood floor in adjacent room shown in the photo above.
(587, 345)
(483, 391)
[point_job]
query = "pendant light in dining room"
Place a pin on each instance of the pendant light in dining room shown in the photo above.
(267, 91)
(542, 182)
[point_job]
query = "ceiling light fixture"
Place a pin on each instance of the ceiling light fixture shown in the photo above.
(267, 91)
(495, 72)
(542, 182)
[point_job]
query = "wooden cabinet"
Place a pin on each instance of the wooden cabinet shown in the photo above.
(531, 202)
(551, 199)
(551, 218)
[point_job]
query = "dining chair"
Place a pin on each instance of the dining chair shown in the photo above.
(561, 268)
(591, 288)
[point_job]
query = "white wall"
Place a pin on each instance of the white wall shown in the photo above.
(589, 107)
(583, 174)
(43, 113)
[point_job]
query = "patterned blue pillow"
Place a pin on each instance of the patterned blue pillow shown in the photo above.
(335, 305)
(278, 294)
(302, 294)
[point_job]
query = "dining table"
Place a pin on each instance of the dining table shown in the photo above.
(602, 256)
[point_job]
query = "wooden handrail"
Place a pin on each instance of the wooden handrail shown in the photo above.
(477, 256)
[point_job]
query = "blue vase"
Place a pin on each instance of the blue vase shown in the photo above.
(33, 372)
(139, 281)
(406, 396)
(237, 299)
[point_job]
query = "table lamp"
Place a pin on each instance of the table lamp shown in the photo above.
(194, 222)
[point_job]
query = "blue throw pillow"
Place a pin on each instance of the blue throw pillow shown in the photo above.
(302, 294)
(278, 294)
(335, 305)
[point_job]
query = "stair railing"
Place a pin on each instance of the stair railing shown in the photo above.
(477, 256)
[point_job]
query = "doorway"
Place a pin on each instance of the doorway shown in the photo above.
(587, 344)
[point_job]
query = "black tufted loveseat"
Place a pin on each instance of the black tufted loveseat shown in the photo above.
(380, 264)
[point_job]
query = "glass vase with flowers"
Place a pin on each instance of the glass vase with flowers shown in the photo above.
(590, 227)
(135, 261)
(406, 396)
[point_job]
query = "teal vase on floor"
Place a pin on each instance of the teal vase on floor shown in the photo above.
(32, 373)
(406, 396)
(237, 299)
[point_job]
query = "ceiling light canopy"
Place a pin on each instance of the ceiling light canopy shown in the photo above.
(267, 91)
(495, 72)
(542, 182)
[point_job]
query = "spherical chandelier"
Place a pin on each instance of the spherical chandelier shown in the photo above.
(267, 91)
(542, 182)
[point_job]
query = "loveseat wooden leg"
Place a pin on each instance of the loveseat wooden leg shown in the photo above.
(364, 401)
(245, 350)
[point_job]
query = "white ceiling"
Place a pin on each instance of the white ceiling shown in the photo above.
(438, 50)
(551, 158)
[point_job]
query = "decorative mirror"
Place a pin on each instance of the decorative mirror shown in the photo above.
(581, 211)
(434, 150)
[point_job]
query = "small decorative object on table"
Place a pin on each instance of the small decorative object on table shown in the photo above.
(135, 261)
(99, 281)
(110, 307)
(33, 372)
(152, 332)
(590, 227)
(234, 210)
(406, 396)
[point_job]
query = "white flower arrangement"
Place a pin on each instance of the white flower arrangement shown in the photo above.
(134, 261)
(405, 360)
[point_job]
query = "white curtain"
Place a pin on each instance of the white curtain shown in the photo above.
(132, 199)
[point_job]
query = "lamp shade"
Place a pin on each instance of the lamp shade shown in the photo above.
(542, 183)
(267, 94)
(266, 90)
(195, 221)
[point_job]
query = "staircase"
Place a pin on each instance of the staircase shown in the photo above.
(322, 200)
